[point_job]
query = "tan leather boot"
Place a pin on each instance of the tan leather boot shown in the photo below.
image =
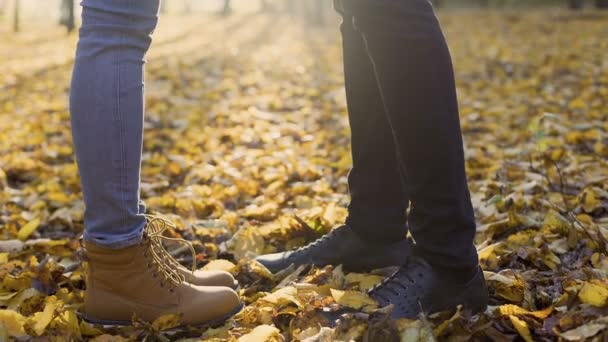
(139, 282)
(195, 277)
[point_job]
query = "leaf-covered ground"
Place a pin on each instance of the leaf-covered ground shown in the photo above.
(247, 150)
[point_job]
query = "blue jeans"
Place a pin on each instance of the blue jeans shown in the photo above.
(107, 113)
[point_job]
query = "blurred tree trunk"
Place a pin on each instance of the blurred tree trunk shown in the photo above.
(603, 4)
(16, 17)
(265, 6)
(187, 7)
(576, 4)
(67, 15)
(290, 6)
(227, 7)
(315, 11)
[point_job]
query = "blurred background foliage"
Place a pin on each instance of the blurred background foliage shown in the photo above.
(65, 12)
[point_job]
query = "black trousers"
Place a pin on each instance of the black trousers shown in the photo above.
(406, 140)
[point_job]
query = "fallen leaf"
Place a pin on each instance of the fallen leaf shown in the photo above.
(27, 230)
(354, 300)
(13, 322)
(283, 296)
(219, 265)
(167, 322)
(586, 330)
(593, 294)
(259, 334)
(522, 328)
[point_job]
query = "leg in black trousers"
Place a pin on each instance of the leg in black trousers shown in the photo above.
(412, 68)
(404, 116)
(378, 198)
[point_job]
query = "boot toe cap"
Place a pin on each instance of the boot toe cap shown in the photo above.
(213, 305)
(214, 278)
(274, 262)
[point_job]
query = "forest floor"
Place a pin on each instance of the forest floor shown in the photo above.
(247, 151)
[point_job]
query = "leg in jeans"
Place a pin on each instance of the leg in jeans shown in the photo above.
(378, 199)
(107, 111)
(414, 72)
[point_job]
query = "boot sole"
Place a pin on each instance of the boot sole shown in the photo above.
(205, 325)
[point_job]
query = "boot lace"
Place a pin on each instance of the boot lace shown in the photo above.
(165, 263)
(399, 281)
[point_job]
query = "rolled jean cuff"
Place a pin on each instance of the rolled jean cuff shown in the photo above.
(117, 242)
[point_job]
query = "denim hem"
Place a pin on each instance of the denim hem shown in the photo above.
(118, 242)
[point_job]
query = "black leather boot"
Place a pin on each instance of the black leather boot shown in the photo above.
(342, 246)
(419, 287)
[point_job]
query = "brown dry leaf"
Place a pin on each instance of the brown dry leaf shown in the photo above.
(586, 330)
(167, 322)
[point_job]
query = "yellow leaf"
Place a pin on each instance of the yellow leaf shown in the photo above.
(59, 197)
(109, 338)
(554, 221)
(167, 322)
(590, 202)
(514, 310)
(366, 281)
(507, 285)
(265, 212)
(13, 322)
(40, 320)
(261, 333)
(69, 323)
(247, 243)
(87, 329)
(522, 328)
(28, 229)
(353, 299)
(577, 103)
(3, 258)
(219, 265)
(593, 294)
(490, 255)
(414, 331)
(284, 296)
